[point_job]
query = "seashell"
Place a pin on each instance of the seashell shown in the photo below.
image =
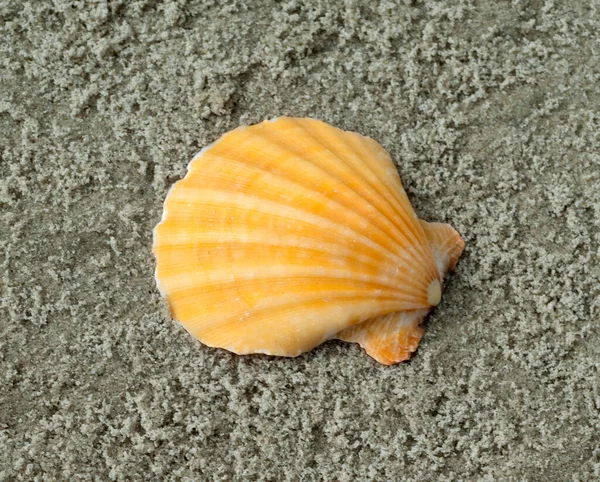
(291, 232)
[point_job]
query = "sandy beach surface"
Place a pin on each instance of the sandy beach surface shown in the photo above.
(491, 111)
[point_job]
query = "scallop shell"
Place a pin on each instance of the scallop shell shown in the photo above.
(291, 232)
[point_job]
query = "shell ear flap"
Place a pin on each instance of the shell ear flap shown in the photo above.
(390, 338)
(446, 244)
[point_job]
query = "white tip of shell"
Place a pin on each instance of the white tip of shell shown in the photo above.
(434, 293)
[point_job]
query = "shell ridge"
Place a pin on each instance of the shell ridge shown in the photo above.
(241, 314)
(180, 257)
(274, 139)
(397, 233)
(355, 304)
(372, 190)
(335, 202)
(387, 234)
(247, 202)
(418, 243)
(241, 284)
(358, 142)
(383, 191)
(416, 236)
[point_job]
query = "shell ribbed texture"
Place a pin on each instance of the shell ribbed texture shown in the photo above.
(285, 233)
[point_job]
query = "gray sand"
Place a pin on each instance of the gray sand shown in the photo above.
(491, 109)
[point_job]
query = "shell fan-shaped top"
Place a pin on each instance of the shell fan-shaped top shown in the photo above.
(291, 232)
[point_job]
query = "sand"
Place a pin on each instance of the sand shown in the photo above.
(491, 110)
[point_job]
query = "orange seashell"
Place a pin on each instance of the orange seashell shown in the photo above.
(292, 232)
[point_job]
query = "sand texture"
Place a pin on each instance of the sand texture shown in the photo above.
(491, 110)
